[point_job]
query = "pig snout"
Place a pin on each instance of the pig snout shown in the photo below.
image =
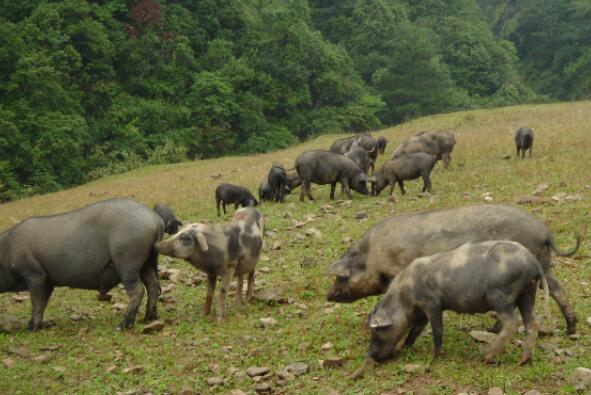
(379, 350)
(164, 247)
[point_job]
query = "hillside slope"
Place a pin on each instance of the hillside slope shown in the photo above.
(94, 358)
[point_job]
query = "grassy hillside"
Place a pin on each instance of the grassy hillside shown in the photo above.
(91, 357)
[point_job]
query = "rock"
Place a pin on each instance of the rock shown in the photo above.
(133, 369)
(255, 371)
(19, 298)
(573, 198)
(237, 392)
(52, 347)
(286, 215)
(111, 368)
(76, 317)
(299, 224)
(581, 378)
(326, 346)
(215, 381)
(21, 351)
(506, 157)
(331, 362)
(216, 176)
(412, 368)
(270, 296)
(297, 369)
(60, 369)
(262, 388)
(362, 215)
(9, 323)
(214, 368)
(121, 306)
(533, 392)
(496, 391)
(153, 327)
(313, 232)
(41, 358)
(332, 391)
(271, 233)
(276, 245)
(268, 322)
(540, 188)
(559, 197)
(485, 337)
(487, 196)
(533, 200)
(8, 362)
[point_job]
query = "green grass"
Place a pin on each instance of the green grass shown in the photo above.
(179, 357)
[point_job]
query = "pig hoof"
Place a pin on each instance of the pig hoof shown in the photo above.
(491, 361)
(31, 327)
(150, 318)
(571, 326)
(126, 324)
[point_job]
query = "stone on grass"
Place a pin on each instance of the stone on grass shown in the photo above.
(297, 369)
(268, 322)
(581, 379)
(255, 371)
(153, 327)
(496, 391)
(485, 337)
(215, 381)
(262, 388)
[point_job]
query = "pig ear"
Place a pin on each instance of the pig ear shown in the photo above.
(380, 318)
(202, 241)
(338, 269)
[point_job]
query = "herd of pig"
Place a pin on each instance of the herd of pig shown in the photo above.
(471, 259)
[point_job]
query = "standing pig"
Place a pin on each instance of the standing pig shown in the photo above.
(277, 179)
(94, 247)
(389, 246)
(171, 224)
(221, 250)
(265, 192)
(493, 275)
(229, 193)
(324, 167)
(436, 143)
(406, 167)
(524, 140)
(341, 146)
(382, 143)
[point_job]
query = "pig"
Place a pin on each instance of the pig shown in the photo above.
(389, 246)
(171, 224)
(341, 146)
(94, 247)
(221, 250)
(228, 193)
(265, 192)
(293, 181)
(277, 180)
(524, 140)
(406, 167)
(360, 157)
(324, 167)
(436, 143)
(479, 277)
(382, 143)
(369, 144)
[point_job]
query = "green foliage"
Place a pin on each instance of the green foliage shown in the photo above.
(90, 88)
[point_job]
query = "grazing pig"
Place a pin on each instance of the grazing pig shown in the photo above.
(360, 157)
(265, 192)
(492, 275)
(324, 167)
(94, 247)
(277, 179)
(368, 143)
(221, 250)
(524, 140)
(406, 167)
(389, 246)
(436, 143)
(382, 143)
(229, 193)
(293, 181)
(171, 224)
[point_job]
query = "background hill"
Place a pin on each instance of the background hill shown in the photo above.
(89, 88)
(92, 357)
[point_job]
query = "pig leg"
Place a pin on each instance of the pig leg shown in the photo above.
(530, 148)
(345, 183)
(226, 278)
(332, 188)
(217, 203)
(239, 282)
(40, 291)
(559, 295)
(211, 280)
(505, 314)
(426, 183)
(135, 293)
(401, 185)
(308, 192)
(435, 317)
(150, 280)
(418, 326)
(526, 304)
(224, 207)
(250, 287)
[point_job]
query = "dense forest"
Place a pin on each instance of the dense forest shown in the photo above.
(89, 88)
